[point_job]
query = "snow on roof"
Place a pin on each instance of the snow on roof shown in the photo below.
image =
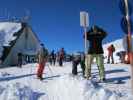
(7, 30)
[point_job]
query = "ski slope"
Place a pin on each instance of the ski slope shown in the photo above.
(58, 84)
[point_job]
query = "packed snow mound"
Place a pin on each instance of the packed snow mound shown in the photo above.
(7, 30)
(119, 44)
(95, 92)
(77, 88)
(16, 91)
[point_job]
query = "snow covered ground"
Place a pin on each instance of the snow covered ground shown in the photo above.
(58, 84)
(120, 45)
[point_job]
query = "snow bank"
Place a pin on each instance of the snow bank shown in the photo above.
(119, 44)
(77, 88)
(94, 92)
(64, 87)
(15, 92)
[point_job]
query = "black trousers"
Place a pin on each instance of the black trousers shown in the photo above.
(112, 58)
(74, 67)
(60, 62)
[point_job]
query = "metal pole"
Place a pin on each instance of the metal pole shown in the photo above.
(50, 69)
(84, 22)
(129, 42)
(85, 32)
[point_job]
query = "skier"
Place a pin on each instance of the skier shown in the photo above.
(42, 58)
(53, 58)
(111, 50)
(61, 56)
(95, 36)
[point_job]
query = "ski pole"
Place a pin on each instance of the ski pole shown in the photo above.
(49, 68)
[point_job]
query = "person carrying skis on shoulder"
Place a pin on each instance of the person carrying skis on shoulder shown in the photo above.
(42, 58)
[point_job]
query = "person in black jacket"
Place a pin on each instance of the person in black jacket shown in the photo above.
(52, 58)
(95, 36)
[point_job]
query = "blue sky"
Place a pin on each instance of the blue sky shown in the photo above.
(57, 22)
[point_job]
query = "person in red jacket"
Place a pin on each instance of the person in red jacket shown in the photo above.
(111, 50)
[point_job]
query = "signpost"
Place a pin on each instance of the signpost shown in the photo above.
(84, 22)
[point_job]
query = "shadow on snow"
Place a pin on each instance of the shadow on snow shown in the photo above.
(37, 95)
(118, 80)
(14, 77)
(51, 77)
(115, 71)
(22, 76)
